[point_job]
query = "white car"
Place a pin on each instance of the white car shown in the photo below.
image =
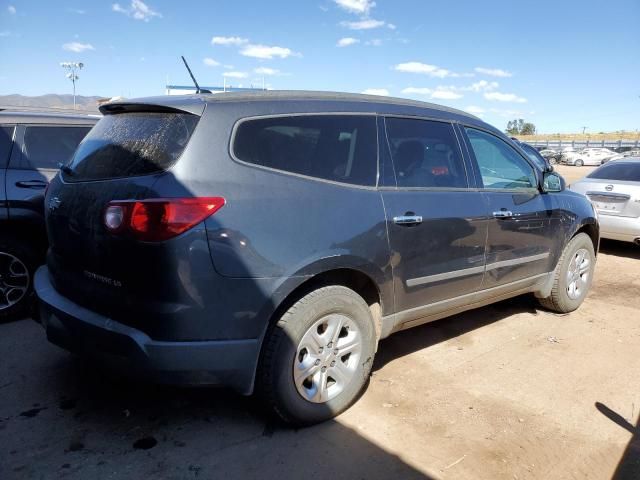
(588, 156)
(614, 191)
(620, 156)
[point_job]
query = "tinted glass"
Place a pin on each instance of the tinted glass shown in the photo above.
(624, 171)
(341, 148)
(131, 144)
(500, 165)
(425, 154)
(6, 140)
(47, 147)
(534, 156)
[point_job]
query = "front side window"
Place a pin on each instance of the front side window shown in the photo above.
(425, 154)
(501, 166)
(340, 148)
(46, 147)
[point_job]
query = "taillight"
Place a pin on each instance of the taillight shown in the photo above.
(158, 219)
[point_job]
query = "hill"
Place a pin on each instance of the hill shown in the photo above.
(50, 101)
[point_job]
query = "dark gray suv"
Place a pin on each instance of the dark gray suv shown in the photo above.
(270, 240)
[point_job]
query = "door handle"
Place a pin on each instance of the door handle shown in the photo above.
(407, 220)
(503, 214)
(35, 184)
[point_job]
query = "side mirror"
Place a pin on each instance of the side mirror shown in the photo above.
(552, 182)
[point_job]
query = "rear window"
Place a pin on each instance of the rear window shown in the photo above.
(47, 146)
(629, 172)
(131, 144)
(340, 148)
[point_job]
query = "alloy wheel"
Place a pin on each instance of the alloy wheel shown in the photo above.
(14, 280)
(327, 358)
(578, 273)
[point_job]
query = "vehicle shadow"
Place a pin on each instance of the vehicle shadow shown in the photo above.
(409, 341)
(619, 249)
(80, 421)
(629, 465)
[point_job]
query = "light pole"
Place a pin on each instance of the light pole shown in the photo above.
(72, 68)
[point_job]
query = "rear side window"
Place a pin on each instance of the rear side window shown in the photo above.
(501, 166)
(6, 141)
(340, 148)
(624, 171)
(47, 146)
(425, 154)
(131, 144)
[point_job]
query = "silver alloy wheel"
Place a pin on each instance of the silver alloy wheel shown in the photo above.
(14, 280)
(578, 273)
(327, 358)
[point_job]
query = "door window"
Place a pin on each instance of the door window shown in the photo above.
(6, 140)
(46, 147)
(501, 166)
(425, 154)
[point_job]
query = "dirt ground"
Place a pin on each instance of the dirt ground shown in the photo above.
(508, 391)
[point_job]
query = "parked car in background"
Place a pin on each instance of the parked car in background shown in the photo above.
(271, 239)
(31, 147)
(552, 156)
(587, 156)
(614, 189)
(535, 156)
(619, 156)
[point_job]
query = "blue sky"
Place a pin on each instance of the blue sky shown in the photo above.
(559, 64)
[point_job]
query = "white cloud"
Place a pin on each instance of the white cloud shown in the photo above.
(475, 110)
(345, 42)
(424, 69)
(11, 9)
(229, 41)
(267, 53)
(210, 62)
(376, 42)
(376, 91)
(482, 86)
(493, 72)
(236, 74)
(77, 47)
(366, 24)
(267, 71)
(504, 97)
(5, 33)
(360, 7)
(391, 26)
(138, 10)
(440, 93)
(77, 10)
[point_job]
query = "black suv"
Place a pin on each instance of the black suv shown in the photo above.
(271, 239)
(31, 146)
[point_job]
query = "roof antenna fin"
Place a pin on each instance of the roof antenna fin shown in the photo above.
(198, 89)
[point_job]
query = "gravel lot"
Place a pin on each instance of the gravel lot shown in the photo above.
(507, 391)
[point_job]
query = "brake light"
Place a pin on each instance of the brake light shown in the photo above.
(157, 219)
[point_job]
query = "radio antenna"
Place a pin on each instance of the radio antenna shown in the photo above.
(195, 82)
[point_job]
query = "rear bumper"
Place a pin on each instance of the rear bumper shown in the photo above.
(626, 229)
(221, 362)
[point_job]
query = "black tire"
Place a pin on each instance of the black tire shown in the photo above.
(579, 163)
(560, 301)
(12, 247)
(275, 378)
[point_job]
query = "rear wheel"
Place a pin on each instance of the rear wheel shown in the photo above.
(317, 358)
(579, 163)
(17, 265)
(573, 276)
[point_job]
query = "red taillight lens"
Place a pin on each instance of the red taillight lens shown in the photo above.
(159, 219)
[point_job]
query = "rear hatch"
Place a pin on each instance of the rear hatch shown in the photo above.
(120, 159)
(614, 189)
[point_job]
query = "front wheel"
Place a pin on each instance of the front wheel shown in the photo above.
(579, 163)
(318, 357)
(573, 276)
